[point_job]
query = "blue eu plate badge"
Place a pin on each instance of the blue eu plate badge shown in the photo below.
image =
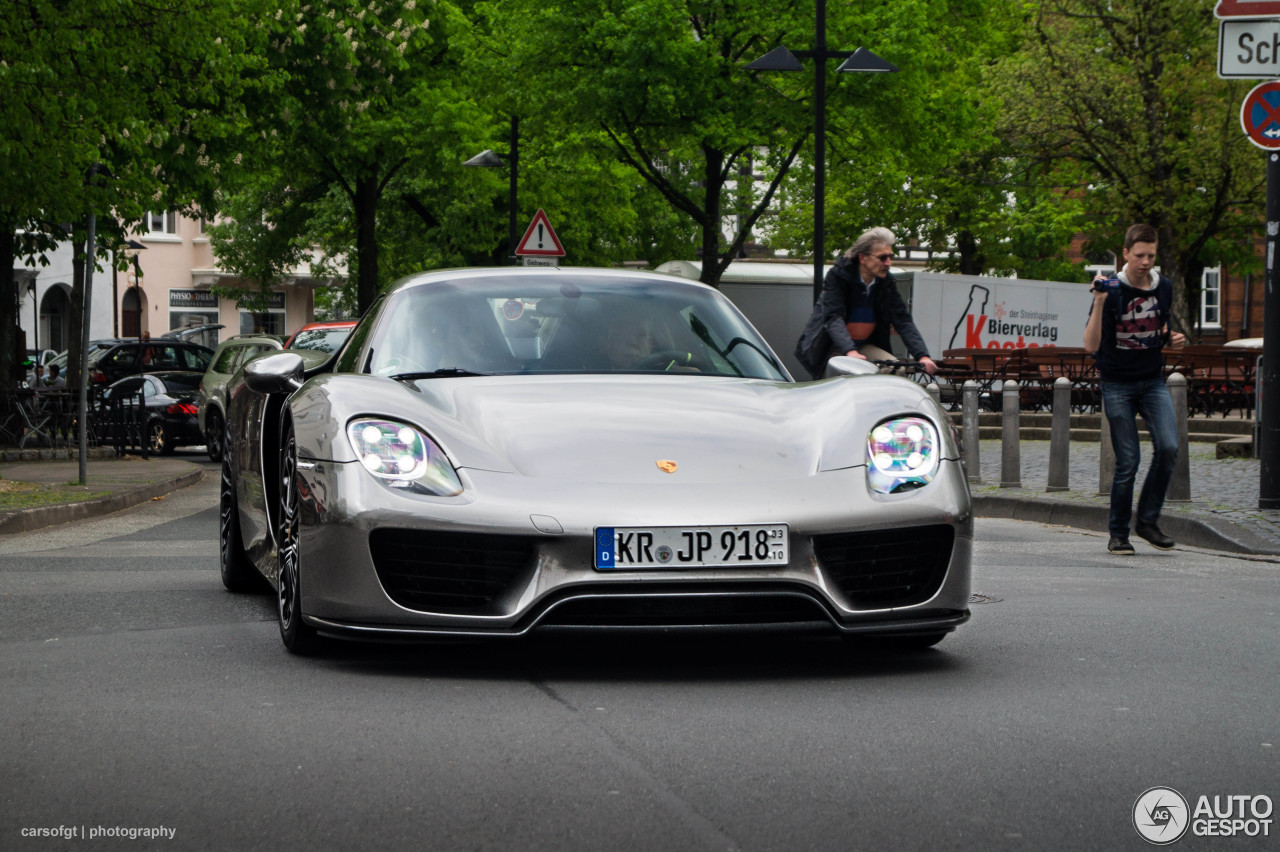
(604, 547)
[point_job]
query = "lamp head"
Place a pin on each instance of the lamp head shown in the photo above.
(486, 158)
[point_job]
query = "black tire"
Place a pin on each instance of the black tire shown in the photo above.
(158, 439)
(298, 637)
(238, 573)
(214, 435)
(895, 644)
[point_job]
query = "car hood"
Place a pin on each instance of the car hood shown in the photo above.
(617, 428)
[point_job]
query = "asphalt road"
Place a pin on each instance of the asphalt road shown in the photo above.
(136, 694)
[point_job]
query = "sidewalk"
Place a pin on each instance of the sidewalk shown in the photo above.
(1222, 514)
(112, 485)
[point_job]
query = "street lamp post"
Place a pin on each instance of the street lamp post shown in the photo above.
(493, 159)
(90, 251)
(859, 61)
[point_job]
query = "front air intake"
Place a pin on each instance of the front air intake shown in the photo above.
(887, 568)
(450, 572)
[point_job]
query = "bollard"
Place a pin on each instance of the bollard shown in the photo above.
(934, 391)
(1010, 448)
(969, 430)
(1180, 485)
(1060, 437)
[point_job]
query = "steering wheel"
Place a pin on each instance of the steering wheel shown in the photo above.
(670, 359)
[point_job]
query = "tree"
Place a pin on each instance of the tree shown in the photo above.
(145, 90)
(662, 84)
(363, 99)
(915, 150)
(1122, 103)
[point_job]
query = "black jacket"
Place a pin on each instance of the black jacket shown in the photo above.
(827, 329)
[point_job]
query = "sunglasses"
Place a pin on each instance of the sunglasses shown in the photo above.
(883, 258)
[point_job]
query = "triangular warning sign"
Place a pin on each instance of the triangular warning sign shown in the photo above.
(540, 240)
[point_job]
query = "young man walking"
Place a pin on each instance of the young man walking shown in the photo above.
(1128, 328)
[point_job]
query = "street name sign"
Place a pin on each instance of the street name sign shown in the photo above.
(1249, 49)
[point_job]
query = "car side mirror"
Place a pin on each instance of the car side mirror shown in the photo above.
(843, 365)
(278, 373)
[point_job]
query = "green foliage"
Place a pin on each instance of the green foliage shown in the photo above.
(661, 86)
(1121, 104)
(149, 91)
(332, 135)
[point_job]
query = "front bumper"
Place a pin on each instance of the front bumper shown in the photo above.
(380, 563)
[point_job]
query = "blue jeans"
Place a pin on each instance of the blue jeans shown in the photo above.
(1122, 401)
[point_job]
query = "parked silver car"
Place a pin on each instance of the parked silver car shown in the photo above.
(504, 450)
(230, 356)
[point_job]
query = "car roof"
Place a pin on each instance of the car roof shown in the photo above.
(328, 324)
(159, 374)
(593, 273)
(250, 340)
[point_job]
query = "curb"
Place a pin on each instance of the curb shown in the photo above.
(1207, 533)
(25, 520)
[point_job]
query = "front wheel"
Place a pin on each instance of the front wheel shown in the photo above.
(238, 573)
(297, 636)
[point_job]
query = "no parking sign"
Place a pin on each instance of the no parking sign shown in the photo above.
(1260, 115)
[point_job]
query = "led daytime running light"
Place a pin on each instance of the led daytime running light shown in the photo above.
(902, 455)
(402, 457)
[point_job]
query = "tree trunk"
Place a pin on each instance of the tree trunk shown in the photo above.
(713, 191)
(366, 212)
(76, 317)
(972, 261)
(11, 342)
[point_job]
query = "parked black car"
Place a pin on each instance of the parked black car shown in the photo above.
(168, 419)
(111, 363)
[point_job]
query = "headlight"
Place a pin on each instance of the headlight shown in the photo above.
(403, 457)
(902, 454)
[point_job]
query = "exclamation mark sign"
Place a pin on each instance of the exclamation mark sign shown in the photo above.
(539, 235)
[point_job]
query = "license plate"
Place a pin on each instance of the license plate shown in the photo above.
(690, 547)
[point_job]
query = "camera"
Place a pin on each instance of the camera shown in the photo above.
(1106, 285)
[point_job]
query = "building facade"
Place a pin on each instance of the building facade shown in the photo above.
(165, 287)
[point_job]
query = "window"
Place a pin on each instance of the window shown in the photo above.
(269, 321)
(192, 359)
(162, 223)
(1211, 298)
(1101, 263)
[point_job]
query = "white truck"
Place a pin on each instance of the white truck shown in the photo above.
(951, 311)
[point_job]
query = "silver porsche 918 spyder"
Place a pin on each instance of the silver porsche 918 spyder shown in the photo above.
(499, 451)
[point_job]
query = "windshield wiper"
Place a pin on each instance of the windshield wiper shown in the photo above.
(436, 374)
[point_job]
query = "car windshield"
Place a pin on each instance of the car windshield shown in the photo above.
(321, 339)
(526, 324)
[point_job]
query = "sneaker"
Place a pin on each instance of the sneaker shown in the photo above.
(1154, 537)
(1119, 546)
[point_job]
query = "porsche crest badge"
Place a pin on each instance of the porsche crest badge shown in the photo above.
(666, 466)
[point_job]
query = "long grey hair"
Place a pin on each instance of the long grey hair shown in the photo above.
(868, 240)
